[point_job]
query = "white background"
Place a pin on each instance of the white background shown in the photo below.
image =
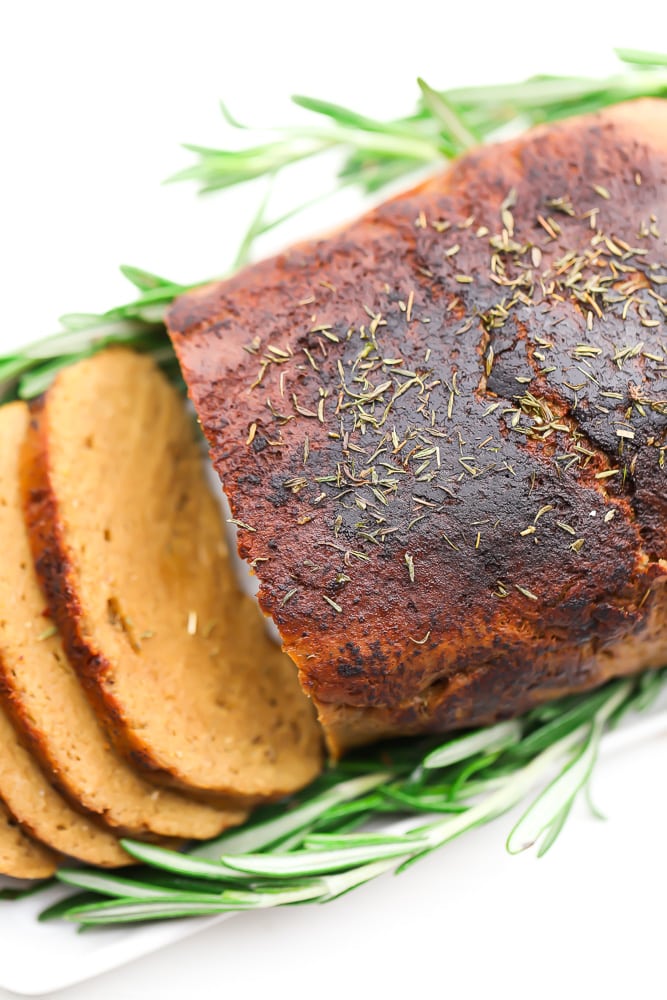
(95, 99)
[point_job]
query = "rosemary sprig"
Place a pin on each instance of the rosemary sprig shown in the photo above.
(138, 324)
(445, 124)
(375, 153)
(306, 850)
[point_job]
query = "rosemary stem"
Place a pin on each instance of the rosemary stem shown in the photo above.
(263, 835)
(511, 793)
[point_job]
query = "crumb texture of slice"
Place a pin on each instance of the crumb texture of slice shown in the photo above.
(129, 543)
(20, 856)
(55, 721)
(443, 431)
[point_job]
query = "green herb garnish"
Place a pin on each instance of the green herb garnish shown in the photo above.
(318, 846)
(375, 154)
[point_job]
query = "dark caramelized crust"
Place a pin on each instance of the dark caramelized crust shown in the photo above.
(443, 431)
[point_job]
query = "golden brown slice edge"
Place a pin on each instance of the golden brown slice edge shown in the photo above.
(129, 544)
(20, 856)
(53, 717)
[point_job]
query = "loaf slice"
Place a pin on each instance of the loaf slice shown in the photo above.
(48, 705)
(38, 807)
(129, 542)
(21, 857)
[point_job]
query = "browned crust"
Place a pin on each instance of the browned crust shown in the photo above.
(406, 649)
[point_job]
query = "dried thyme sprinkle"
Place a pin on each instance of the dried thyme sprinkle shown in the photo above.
(378, 458)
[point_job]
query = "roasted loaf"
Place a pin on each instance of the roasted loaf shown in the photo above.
(442, 432)
(129, 543)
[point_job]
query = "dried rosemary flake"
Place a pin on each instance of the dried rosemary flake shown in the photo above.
(526, 593)
(644, 599)
(530, 530)
(410, 563)
(602, 191)
(192, 623)
(578, 545)
(609, 516)
(242, 524)
(332, 604)
(607, 473)
(420, 642)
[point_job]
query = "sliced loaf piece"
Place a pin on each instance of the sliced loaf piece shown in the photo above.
(21, 857)
(45, 814)
(48, 705)
(129, 543)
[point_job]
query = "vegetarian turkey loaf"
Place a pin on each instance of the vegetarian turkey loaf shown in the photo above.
(21, 857)
(54, 719)
(129, 543)
(442, 432)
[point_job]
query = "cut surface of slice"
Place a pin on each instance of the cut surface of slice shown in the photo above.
(20, 856)
(48, 706)
(129, 543)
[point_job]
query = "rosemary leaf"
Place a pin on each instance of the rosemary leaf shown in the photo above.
(495, 738)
